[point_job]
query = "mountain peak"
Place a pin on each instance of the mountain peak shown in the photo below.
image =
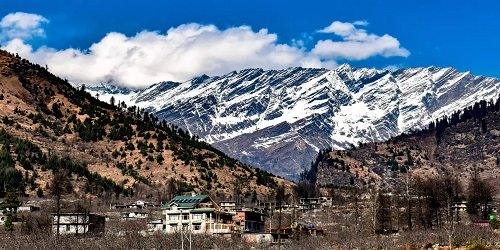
(199, 79)
(344, 67)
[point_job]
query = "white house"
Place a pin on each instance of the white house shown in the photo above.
(459, 206)
(156, 226)
(229, 206)
(28, 208)
(134, 215)
(197, 214)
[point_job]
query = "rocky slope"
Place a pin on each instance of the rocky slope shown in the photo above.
(47, 125)
(279, 119)
(462, 143)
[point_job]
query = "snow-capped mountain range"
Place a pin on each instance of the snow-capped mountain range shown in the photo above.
(279, 119)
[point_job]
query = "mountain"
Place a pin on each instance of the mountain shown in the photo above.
(47, 125)
(279, 119)
(463, 143)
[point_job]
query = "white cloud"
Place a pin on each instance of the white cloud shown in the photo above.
(181, 53)
(21, 25)
(361, 23)
(356, 43)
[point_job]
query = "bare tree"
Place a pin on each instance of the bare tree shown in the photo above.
(479, 195)
(384, 215)
(408, 196)
(59, 186)
(373, 192)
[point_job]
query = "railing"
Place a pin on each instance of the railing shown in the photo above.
(214, 227)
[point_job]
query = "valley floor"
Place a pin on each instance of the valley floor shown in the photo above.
(464, 238)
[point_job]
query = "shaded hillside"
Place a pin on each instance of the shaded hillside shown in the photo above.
(47, 125)
(462, 143)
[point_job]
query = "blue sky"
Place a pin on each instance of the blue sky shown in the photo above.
(460, 34)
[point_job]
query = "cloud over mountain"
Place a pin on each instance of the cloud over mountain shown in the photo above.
(357, 43)
(188, 50)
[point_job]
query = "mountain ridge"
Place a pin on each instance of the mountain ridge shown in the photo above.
(279, 119)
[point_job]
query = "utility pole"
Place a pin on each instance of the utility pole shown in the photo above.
(182, 232)
(408, 198)
(190, 231)
(279, 227)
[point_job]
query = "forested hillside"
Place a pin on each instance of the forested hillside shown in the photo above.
(461, 144)
(109, 148)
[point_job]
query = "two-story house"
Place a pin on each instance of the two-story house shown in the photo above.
(196, 213)
(249, 221)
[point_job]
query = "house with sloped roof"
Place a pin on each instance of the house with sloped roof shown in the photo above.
(196, 214)
(77, 223)
(131, 215)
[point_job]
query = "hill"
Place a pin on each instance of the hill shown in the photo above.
(462, 143)
(47, 125)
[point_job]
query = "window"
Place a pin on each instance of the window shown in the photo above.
(197, 216)
(197, 226)
(185, 216)
(173, 217)
(173, 227)
(67, 227)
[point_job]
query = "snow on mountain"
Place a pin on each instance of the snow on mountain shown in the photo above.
(279, 119)
(105, 92)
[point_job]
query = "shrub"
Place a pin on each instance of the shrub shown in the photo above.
(39, 192)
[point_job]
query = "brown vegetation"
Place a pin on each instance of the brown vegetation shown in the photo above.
(125, 145)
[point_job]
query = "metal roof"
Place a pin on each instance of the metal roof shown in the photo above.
(186, 201)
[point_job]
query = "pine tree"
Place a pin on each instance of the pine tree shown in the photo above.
(39, 192)
(9, 226)
(159, 159)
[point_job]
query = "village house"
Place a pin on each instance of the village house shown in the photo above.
(273, 206)
(248, 221)
(28, 208)
(78, 223)
(491, 208)
(315, 203)
(197, 214)
(267, 205)
(156, 226)
(459, 206)
(298, 229)
(281, 235)
(229, 206)
(134, 215)
(135, 205)
(245, 219)
(307, 229)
